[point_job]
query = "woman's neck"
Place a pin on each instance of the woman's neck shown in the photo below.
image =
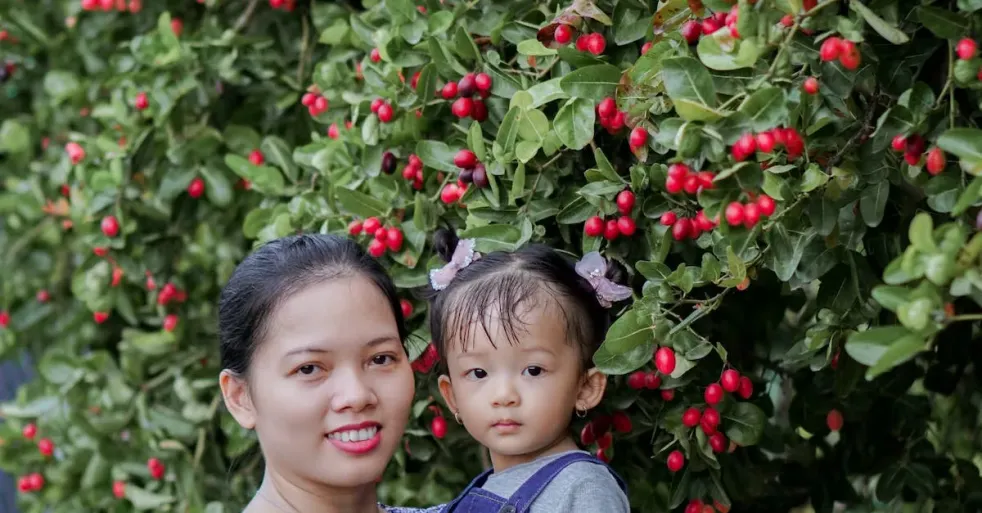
(278, 494)
(562, 444)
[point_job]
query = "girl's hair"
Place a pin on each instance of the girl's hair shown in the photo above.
(502, 285)
(275, 271)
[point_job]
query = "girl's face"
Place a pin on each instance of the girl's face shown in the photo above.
(517, 399)
(330, 387)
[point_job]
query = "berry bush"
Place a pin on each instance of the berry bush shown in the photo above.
(793, 187)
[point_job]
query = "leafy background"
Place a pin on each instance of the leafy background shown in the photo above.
(859, 295)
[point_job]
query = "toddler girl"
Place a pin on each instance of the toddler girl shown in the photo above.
(517, 332)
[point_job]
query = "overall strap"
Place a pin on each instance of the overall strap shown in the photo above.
(476, 483)
(522, 499)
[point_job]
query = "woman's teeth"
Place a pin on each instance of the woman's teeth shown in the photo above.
(355, 435)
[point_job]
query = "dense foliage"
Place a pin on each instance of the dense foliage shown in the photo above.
(804, 181)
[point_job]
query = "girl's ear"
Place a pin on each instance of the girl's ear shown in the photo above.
(235, 392)
(446, 390)
(592, 389)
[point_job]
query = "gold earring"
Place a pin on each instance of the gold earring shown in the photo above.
(456, 416)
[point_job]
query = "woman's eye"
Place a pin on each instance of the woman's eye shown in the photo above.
(533, 370)
(477, 373)
(382, 359)
(307, 369)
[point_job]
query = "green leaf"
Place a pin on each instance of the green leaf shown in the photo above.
(437, 155)
(867, 347)
(765, 109)
(744, 423)
(60, 84)
(508, 131)
(629, 331)
(881, 26)
(891, 297)
(545, 92)
(900, 351)
(921, 233)
(873, 202)
(969, 197)
(360, 204)
(786, 251)
(143, 500)
(533, 125)
(217, 187)
(943, 23)
(966, 144)
(535, 48)
(574, 123)
(265, 179)
(916, 314)
(691, 88)
(617, 364)
(440, 22)
(592, 82)
(721, 52)
(276, 151)
(14, 137)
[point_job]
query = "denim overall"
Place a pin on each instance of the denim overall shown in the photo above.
(474, 499)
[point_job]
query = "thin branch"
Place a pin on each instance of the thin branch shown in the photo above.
(246, 16)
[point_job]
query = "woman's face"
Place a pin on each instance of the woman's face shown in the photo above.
(330, 388)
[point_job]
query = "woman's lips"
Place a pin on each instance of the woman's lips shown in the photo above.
(357, 438)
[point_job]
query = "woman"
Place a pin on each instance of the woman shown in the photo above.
(311, 344)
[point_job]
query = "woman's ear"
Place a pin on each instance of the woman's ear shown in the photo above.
(235, 392)
(446, 390)
(592, 390)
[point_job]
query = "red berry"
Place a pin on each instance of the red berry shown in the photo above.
(717, 442)
(751, 215)
(710, 25)
(594, 227)
(371, 225)
(744, 147)
(597, 44)
(621, 422)
(308, 99)
(607, 108)
(141, 101)
(466, 86)
(333, 131)
(966, 49)
(834, 420)
(730, 380)
(354, 228)
(681, 229)
(257, 158)
(42, 296)
(563, 34)
(30, 431)
(483, 82)
(899, 143)
(935, 161)
(850, 57)
(119, 489)
(450, 193)
(587, 436)
(626, 226)
(462, 107)
(479, 112)
(714, 394)
(710, 420)
(611, 230)
(381, 234)
(668, 395)
(638, 138)
(668, 218)
(645, 47)
(602, 456)
(319, 106)
(811, 85)
(691, 417)
(787, 20)
(766, 142)
(156, 468)
(100, 317)
(625, 202)
(691, 30)
(170, 322)
(746, 387)
(692, 183)
(635, 381)
(46, 447)
(652, 381)
(766, 204)
(674, 185)
(793, 143)
(407, 308)
(385, 113)
(831, 49)
(465, 159)
(678, 171)
(438, 426)
(734, 213)
(617, 122)
(377, 104)
(35, 481)
(375, 55)
(393, 239)
(675, 461)
(665, 360)
(177, 26)
(109, 226)
(376, 248)
(605, 440)
(449, 91)
(196, 188)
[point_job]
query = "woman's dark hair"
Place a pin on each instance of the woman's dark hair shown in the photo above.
(504, 283)
(278, 269)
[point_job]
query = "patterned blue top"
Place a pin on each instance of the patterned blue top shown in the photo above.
(397, 509)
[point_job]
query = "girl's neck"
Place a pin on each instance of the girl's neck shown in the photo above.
(502, 462)
(277, 494)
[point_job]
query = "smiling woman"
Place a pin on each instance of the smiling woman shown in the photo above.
(311, 341)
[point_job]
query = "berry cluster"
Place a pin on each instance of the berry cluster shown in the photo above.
(286, 5)
(593, 43)
(414, 172)
(697, 506)
(382, 109)
(471, 171)
(842, 49)
(597, 431)
(692, 30)
(664, 358)
(156, 468)
(7, 70)
(34, 482)
(749, 214)
(315, 103)
(610, 117)
(688, 228)
(382, 238)
(913, 149)
(614, 228)
(133, 6)
(767, 142)
(334, 132)
(682, 178)
(463, 90)
(75, 152)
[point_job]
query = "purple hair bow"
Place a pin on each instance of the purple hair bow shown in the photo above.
(462, 257)
(593, 267)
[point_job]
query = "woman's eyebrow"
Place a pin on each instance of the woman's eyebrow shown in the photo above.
(377, 341)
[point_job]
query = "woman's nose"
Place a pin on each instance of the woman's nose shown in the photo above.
(352, 391)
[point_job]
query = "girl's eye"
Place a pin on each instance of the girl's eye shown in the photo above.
(307, 370)
(477, 373)
(533, 370)
(382, 359)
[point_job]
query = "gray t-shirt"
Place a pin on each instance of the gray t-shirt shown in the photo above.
(581, 487)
